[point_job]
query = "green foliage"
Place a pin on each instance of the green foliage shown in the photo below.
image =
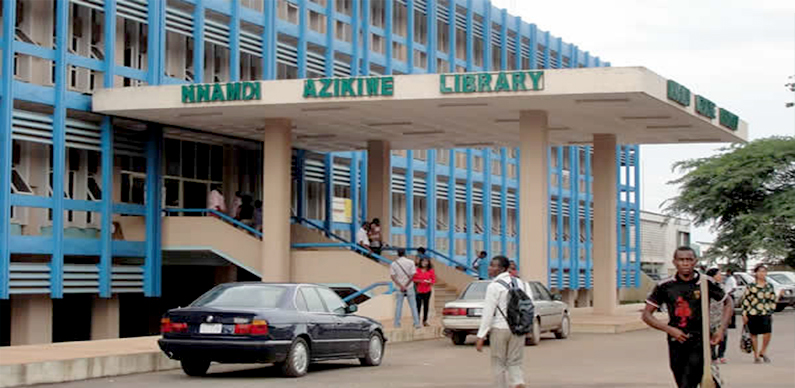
(747, 193)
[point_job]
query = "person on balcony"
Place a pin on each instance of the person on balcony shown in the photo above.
(374, 234)
(237, 202)
(402, 273)
(215, 201)
(425, 278)
(258, 215)
(246, 213)
(361, 236)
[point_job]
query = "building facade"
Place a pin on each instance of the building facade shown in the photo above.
(660, 236)
(101, 241)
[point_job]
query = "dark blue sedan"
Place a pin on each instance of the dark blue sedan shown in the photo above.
(290, 325)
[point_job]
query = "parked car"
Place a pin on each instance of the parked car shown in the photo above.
(461, 317)
(290, 325)
(783, 277)
(785, 294)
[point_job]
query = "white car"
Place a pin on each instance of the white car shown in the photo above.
(461, 317)
(786, 278)
(785, 293)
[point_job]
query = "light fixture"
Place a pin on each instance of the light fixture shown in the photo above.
(420, 133)
(680, 126)
(708, 140)
(392, 124)
(317, 136)
(200, 114)
(325, 109)
(600, 100)
(645, 117)
(476, 144)
(463, 104)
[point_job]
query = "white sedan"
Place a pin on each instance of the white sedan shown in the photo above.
(461, 317)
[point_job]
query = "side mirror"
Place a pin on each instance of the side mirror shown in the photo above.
(351, 309)
(557, 297)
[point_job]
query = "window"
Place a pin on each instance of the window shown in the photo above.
(18, 185)
(257, 296)
(540, 292)
(313, 302)
(682, 239)
(300, 302)
(332, 300)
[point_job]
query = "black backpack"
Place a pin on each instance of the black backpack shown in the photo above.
(521, 310)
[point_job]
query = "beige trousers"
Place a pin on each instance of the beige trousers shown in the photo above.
(507, 355)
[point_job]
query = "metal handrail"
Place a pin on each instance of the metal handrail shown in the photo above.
(220, 215)
(368, 289)
(343, 242)
(450, 261)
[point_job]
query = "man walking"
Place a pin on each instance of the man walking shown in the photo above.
(402, 272)
(681, 294)
(507, 349)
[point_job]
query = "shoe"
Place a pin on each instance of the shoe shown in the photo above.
(425, 324)
(757, 360)
(766, 360)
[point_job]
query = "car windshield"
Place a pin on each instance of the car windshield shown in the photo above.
(247, 296)
(783, 279)
(475, 291)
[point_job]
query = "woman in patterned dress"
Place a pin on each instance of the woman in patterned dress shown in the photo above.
(759, 303)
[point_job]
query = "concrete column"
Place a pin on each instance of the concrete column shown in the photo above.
(533, 195)
(379, 185)
(105, 318)
(604, 224)
(584, 298)
(277, 153)
(569, 297)
(31, 319)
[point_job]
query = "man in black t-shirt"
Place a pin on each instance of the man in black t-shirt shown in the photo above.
(682, 296)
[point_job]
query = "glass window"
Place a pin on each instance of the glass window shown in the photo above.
(188, 159)
(300, 302)
(332, 300)
(241, 296)
(313, 301)
(172, 157)
(18, 185)
(202, 161)
(94, 191)
(217, 163)
(540, 292)
(476, 291)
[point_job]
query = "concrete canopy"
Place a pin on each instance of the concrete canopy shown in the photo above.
(632, 103)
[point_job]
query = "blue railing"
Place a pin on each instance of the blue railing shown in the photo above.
(343, 243)
(222, 216)
(389, 285)
(441, 257)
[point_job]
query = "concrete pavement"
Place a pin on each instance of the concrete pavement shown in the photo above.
(635, 359)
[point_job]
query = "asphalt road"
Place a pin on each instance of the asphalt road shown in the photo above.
(637, 359)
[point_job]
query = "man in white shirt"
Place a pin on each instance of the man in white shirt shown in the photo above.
(402, 272)
(507, 349)
(361, 236)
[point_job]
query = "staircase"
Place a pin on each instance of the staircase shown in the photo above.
(442, 294)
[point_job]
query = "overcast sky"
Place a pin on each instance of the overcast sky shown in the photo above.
(738, 53)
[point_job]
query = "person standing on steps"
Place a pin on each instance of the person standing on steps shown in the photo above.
(425, 278)
(759, 303)
(402, 273)
(481, 265)
(361, 237)
(374, 233)
(681, 294)
(507, 349)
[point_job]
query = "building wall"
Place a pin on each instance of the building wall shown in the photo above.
(661, 235)
(55, 54)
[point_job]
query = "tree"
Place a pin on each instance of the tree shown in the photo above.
(747, 194)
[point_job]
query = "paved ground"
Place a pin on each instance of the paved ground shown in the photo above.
(637, 359)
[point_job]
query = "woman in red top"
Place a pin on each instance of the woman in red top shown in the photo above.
(425, 278)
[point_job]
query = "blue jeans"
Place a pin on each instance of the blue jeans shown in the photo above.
(412, 304)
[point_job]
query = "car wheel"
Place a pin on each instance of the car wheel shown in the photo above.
(459, 338)
(534, 338)
(565, 328)
(194, 367)
(375, 351)
(297, 362)
(780, 307)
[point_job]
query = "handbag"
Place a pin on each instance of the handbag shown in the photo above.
(746, 346)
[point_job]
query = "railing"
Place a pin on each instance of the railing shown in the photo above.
(441, 257)
(343, 243)
(389, 285)
(224, 217)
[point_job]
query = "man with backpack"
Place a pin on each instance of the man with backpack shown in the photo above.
(508, 316)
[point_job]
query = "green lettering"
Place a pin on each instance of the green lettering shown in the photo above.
(360, 83)
(469, 83)
(324, 92)
(517, 78)
(254, 91)
(372, 86)
(218, 93)
(233, 90)
(188, 94)
(443, 88)
(705, 107)
(387, 86)
(309, 88)
(336, 87)
(678, 93)
(346, 87)
(729, 119)
(484, 82)
(537, 77)
(502, 83)
(457, 86)
(202, 93)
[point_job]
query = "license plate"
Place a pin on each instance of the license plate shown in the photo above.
(476, 312)
(211, 328)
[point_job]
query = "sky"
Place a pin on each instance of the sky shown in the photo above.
(738, 54)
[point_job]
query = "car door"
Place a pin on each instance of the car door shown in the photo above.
(350, 331)
(321, 324)
(739, 291)
(543, 304)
